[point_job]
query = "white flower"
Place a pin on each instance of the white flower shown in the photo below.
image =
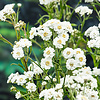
(93, 95)
(54, 79)
(86, 70)
(31, 87)
(12, 78)
(99, 25)
(93, 83)
(21, 79)
(19, 4)
(8, 9)
(68, 53)
(91, 43)
(35, 68)
(2, 17)
(81, 97)
(45, 2)
(90, 29)
(45, 34)
(94, 34)
(59, 27)
(48, 77)
(58, 86)
(42, 93)
(67, 26)
(78, 51)
(47, 94)
(46, 63)
(81, 60)
(58, 95)
(29, 74)
(82, 10)
(68, 80)
(96, 71)
(71, 64)
(64, 35)
(18, 95)
(87, 1)
(25, 43)
(33, 32)
(58, 42)
(49, 52)
(44, 83)
(97, 45)
(51, 23)
(18, 53)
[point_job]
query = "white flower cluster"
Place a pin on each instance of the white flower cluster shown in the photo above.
(60, 30)
(25, 80)
(19, 25)
(93, 33)
(46, 2)
(88, 1)
(6, 12)
(18, 52)
(46, 63)
(82, 10)
(52, 93)
(83, 82)
(75, 58)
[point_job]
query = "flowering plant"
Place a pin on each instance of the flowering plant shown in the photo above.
(62, 72)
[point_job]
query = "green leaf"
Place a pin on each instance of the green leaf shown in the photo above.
(44, 9)
(41, 18)
(74, 24)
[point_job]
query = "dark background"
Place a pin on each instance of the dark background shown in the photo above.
(29, 12)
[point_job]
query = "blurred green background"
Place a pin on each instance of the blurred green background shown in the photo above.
(29, 12)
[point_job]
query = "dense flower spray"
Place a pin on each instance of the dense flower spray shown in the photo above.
(62, 71)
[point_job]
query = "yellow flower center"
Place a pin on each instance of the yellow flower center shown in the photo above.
(81, 59)
(31, 87)
(45, 34)
(24, 40)
(59, 27)
(18, 53)
(87, 72)
(21, 79)
(48, 52)
(17, 45)
(47, 63)
(64, 36)
(52, 22)
(92, 96)
(32, 33)
(68, 27)
(68, 52)
(59, 41)
(78, 52)
(85, 67)
(71, 64)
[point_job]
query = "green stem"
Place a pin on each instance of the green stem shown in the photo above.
(36, 43)
(5, 40)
